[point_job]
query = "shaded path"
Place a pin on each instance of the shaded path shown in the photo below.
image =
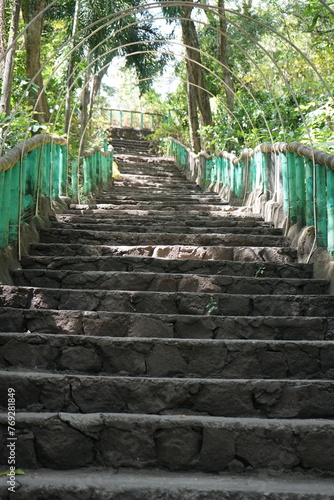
(166, 330)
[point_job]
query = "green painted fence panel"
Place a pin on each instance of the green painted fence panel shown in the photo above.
(330, 211)
(292, 187)
(300, 189)
(6, 206)
(14, 208)
(74, 180)
(309, 192)
(3, 227)
(321, 205)
(63, 170)
(55, 171)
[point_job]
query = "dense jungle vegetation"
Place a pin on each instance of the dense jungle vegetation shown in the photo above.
(250, 71)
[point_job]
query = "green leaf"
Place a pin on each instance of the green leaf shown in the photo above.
(18, 472)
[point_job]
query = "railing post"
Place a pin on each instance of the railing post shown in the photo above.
(131, 119)
(14, 209)
(6, 206)
(121, 118)
(285, 183)
(3, 228)
(111, 117)
(300, 189)
(141, 120)
(292, 188)
(321, 206)
(56, 171)
(309, 192)
(74, 181)
(330, 211)
(63, 170)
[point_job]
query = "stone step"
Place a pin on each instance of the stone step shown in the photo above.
(54, 392)
(193, 443)
(93, 483)
(100, 213)
(263, 254)
(182, 221)
(145, 281)
(151, 325)
(115, 226)
(152, 357)
(135, 197)
(171, 206)
(196, 303)
(185, 266)
(69, 236)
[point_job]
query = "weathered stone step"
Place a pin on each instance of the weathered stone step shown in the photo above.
(118, 280)
(115, 226)
(165, 207)
(106, 483)
(134, 197)
(151, 357)
(185, 266)
(202, 220)
(211, 444)
(90, 210)
(68, 236)
(166, 302)
(116, 324)
(263, 254)
(51, 392)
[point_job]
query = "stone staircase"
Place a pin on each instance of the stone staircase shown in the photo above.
(163, 345)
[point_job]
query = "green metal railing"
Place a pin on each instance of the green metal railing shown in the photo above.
(297, 176)
(140, 119)
(37, 168)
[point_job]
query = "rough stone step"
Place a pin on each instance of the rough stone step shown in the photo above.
(69, 236)
(141, 227)
(182, 220)
(186, 266)
(172, 206)
(211, 444)
(151, 357)
(108, 484)
(166, 302)
(135, 197)
(141, 204)
(118, 280)
(150, 325)
(136, 174)
(50, 392)
(90, 210)
(284, 255)
(157, 188)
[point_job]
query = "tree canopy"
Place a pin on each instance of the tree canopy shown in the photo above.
(251, 71)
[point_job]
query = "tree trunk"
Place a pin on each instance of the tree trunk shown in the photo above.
(7, 77)
(2, 35)
(222, 57)
(195, 140)
(85, 99)
(194, 68)
(30, 9)
(95, 87)
(70, 75)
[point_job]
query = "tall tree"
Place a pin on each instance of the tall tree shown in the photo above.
(223, 57)
(2, 34)
(196, 87)
(8, 64)
(31, 11)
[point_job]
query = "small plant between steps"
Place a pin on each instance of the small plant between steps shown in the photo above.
(212, 307)
(260, 271)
